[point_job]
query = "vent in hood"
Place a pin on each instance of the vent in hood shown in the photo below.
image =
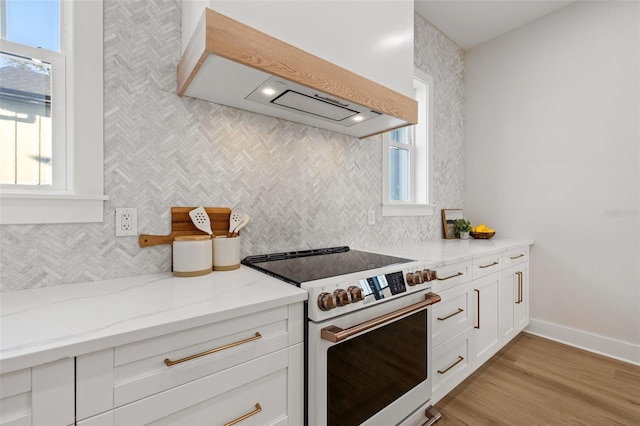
(297, 99)
(230, 63)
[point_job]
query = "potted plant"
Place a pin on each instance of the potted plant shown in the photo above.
(462, 227)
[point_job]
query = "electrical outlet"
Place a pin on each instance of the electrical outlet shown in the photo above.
(371, 217)
(126, 222)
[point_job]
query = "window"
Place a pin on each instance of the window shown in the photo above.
(406, 159)
(51, 111)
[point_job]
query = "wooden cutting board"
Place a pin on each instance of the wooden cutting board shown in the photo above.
(181, 224)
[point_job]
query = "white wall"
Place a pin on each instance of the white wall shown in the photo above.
(552, 138)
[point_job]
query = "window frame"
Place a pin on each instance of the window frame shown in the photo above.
(420, 201)
(80, 196)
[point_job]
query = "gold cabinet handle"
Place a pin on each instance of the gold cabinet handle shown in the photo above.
(169, 363)
(458, 361)
(336, 334)
(519, 274)
(487, 266)
(478, 305)
(451, 276)
(515, 257)
(451, 315)
(246, 416)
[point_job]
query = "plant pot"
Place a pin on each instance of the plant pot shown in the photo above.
(464, 235)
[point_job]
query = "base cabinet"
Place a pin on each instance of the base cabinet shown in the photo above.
(249, 368)
(42, 395)
(255, 393)
(486, 335)
(482, 309)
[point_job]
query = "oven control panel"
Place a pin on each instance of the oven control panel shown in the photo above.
(336, 296)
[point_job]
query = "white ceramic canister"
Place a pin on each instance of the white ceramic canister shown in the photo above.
(226, 253)
(192, 255)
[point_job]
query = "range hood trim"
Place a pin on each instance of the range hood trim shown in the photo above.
(221, 36)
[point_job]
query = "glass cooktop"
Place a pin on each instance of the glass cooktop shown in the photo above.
(308, 265)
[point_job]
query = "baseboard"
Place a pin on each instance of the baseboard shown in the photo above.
(602, 345)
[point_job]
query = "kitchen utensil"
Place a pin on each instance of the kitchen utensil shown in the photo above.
(181, 224)
(201, 220)
(234, 220)
(245, 220)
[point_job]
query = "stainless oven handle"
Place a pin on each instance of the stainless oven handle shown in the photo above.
(336, 334)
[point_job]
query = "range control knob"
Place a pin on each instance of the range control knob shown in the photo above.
(418, 278)
(342, 297)
(356, 293)
(426, 275)
(411, 277)
(326, 301)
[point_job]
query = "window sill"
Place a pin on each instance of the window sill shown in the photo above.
(407, 209)
(31, 208)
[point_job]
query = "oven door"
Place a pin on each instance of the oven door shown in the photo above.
(371, 366)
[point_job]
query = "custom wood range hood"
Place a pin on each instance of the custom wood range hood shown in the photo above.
(230, 63)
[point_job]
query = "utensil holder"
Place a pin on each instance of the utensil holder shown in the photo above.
(226, 253)
(192, 255)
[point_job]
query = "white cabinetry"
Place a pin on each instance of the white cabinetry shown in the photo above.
(486, 336)
(514, 294)
(211, 374)
(452, 326)
(485, 304)
(42, 395)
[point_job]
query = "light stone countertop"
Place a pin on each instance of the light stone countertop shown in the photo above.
(446, 252)
(47, 324)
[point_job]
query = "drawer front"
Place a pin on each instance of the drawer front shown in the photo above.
(42, 395)
(486, 265)
(516, 256)
(219, 398)
(141, 370)
(451, 275)
(452, 315)
(15, 398)
(451, 364)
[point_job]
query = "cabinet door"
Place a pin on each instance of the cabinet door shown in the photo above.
(42, 395)
(486, 338)
(508, 300)
(521, 314)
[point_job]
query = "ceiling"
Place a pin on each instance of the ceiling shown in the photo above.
(472, 22)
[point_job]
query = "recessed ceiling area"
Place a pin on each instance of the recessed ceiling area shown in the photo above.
(471, 23)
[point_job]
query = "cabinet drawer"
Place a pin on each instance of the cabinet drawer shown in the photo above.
(451, 364)
(219, 398)
(486, 265)
(452, 315)
(451, 275)
(127, 373)
(515, 256)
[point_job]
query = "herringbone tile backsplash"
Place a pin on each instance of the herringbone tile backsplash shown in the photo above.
(303, 187)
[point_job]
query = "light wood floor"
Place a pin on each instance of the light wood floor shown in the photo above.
(535, 381)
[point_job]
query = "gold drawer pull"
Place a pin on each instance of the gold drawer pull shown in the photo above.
(169, 363)
(458, 361)
(450, 315)
(515, 257)
(246, 416)
(451, 276)
(486, 266)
